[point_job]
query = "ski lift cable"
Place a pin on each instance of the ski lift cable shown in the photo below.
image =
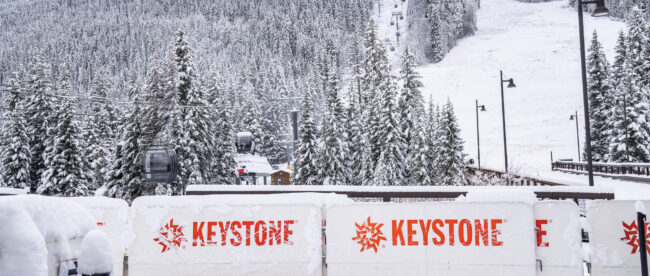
(92, 98)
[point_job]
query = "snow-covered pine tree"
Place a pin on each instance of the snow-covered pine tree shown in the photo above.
(306, 168)
(99, 130)
(390, 170)
(65, 164)
(601, 100)
(450, 163)
(419, 161)
(410, 104)
(251, 114)
(125, 177)
(618, 67)
(274, 118)
(15, 151)
(354, 138)
(376, 73)
(433, 141)
(39, 106)
(223, 158)
(334, 170)
(152, 114)
(197, 139)
(438, 49)
(630, 140)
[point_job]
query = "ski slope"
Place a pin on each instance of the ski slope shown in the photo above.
(537, 45)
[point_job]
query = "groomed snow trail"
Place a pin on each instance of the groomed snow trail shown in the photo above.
(537, 45)
(386, 32)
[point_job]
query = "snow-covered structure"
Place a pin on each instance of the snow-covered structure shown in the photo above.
(253, 169)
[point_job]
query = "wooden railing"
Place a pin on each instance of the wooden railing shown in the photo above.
(511, 179)
(625, 171)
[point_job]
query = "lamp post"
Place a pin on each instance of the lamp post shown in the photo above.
(478, 137)
(600, 10)
(511, 84)
(575, 117)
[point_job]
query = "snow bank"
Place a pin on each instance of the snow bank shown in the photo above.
(95, 254)
(22, 248)
(13, 191)
(639, 207)
(60, 221)
(499, 195)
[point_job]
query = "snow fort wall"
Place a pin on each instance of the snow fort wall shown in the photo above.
(446, 238)
(111, 217)
(225, 235)
(614, 238)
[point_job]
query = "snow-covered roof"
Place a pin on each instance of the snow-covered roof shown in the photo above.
(254, 164)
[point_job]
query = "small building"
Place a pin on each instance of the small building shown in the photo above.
(281, 177)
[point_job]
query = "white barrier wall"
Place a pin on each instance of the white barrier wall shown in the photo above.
(111, 216)
(559, 241)
(613, 238)
(446, 238)
(193, 236)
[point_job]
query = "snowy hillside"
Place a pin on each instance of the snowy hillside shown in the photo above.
(537, 45)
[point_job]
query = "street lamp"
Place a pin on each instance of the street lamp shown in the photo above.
(511, 84)
(575, 117)
(478, 137)
(599, 11)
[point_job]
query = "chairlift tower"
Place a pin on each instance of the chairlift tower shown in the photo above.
(398, 16)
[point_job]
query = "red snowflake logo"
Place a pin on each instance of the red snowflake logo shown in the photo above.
(632, 236)
(171, 236)
(369, 235)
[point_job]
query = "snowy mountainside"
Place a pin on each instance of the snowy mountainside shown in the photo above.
(537, 45)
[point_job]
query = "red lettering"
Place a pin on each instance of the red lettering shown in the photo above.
(450, 223)
(224, 231)
(436, 230)
(495, 232)
(248, 225)
(481, 232)
(540, 232)
(235, 232)
(274, 232)
(425, 231)
(397, 232)
(197, 233)
(465, 232)
(260, 228)
(211, 233)
(287, 231)
(410, 232)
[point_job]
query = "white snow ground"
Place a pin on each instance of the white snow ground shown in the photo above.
(537, 45)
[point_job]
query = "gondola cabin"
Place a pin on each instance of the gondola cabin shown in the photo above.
(160, 165)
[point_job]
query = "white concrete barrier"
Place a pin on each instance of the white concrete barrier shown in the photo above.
(559, 240)
(201, 236)
(447, 238)
(613, 238)
(111, 216)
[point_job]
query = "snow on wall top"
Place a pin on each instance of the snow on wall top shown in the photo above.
(499, 195)
(197, 201)
(334, 189)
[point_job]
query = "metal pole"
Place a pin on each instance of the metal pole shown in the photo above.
(478, 138)
(642, 243)
(585, 98)
(627, 152)
(503, 117)
(578, 136)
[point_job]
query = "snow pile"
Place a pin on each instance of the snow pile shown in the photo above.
(500, 195)
(95, 255)
(57, 219)
(22, 248)
(639, 207)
